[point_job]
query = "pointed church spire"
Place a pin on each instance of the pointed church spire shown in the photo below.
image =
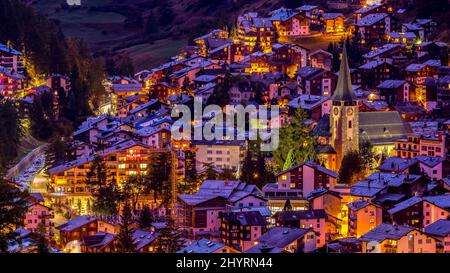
(344, 90)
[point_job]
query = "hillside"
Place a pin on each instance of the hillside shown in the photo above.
(149, 31)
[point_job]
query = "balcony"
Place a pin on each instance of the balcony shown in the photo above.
(46, 216)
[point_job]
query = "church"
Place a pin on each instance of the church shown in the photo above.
(349, 128)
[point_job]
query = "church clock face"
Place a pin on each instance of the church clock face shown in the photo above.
(336, 111)
(350, 111)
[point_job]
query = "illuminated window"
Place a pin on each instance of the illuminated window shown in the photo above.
(121, 166)
(284, 177)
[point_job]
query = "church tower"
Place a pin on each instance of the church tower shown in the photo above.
(344, 116)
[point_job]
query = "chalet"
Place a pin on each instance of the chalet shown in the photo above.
(240, 230)
(10, 58)
(441, 231)
(10, 82)
(254, 31)
(296, 183)
(423, 144)
(437, 92)
(333, 22)
(162, 90)
(312, 219)
(407, 38)
(57, 82)
(198, 213)
(38, 216)
(121, 91)
(396, 90)
(433, 50)
(372, 28)
(313, 13)
(363, 216)
(370, 9)
(285, 239)
(327, 200)
(420, 212)
(387, 238)
(73, 231)
(321, 59)
(211, 41)
(379, 184)
(428, 25)
(316, 81)
(289, 23)
(414, 28)
(314, 106)
(387, 53)
(375, 72)
(288, 57)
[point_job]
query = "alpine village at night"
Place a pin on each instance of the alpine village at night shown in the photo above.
(343, 145)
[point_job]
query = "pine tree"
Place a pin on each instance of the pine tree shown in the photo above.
(352, 169)
(170, 238)
(146, 218)
(126, 242)
(158, 174)
(10, 133)
(295, 136)
(248, 168)
(13, 206)
(42, 243)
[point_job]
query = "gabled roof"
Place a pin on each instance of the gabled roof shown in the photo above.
(10, 50)
(441, 201)
(76, 223)
(440, 228)
(313, 165)
(202, 246)
(391, 84)
(281, 237)
(373, 127)
(99, 240)
(230, 190)
(358, 204)
(371, 19)
(385, 232)
(245, 218)
(298, 215)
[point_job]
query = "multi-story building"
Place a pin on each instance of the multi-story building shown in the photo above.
(441, 231)
(363, 216)
(420, 212)
(198, 213)
(316, 81)
(240, 230)
(312, 219)
(372, 29)
(387, 238)
(254, 32)
(333, 22)
(289, 23)
(69, 180)
(295, 183)
(224, 154)
(421, 144)
(11, 58)
(72, 232)
(285, 240)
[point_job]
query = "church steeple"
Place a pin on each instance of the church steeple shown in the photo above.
(344, 89)
(344, 117)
